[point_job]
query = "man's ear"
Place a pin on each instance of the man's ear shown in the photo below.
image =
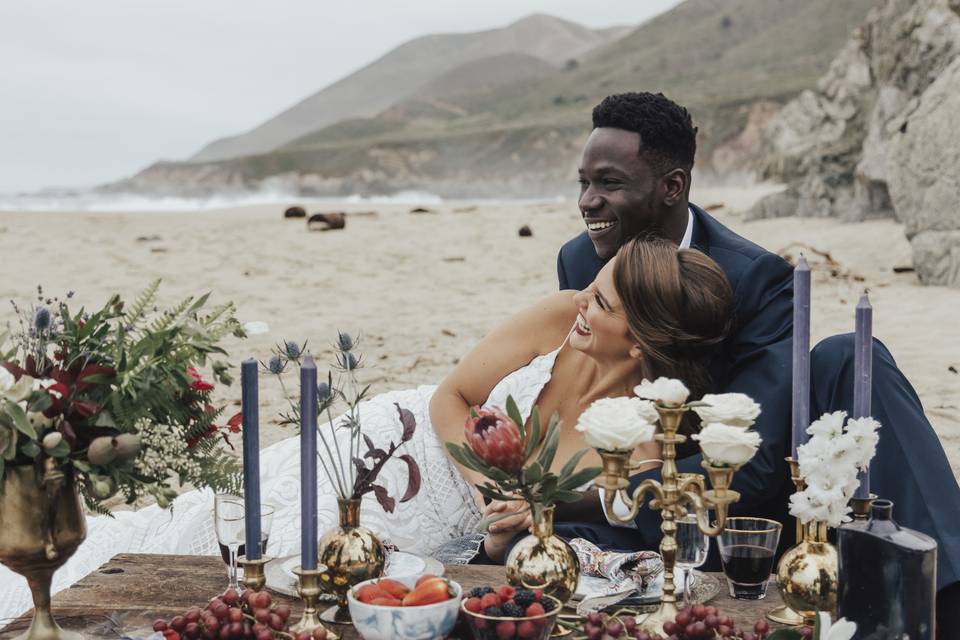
(674, 186)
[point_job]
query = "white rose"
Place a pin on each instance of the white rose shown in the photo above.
(256, 327)
(615, 424)
(666, 391)
(647, 411)
(727, 446)
(734, 409)
(829, 424)
(21, 390)
(6, 380)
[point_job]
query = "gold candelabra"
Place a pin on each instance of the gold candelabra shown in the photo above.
(675, 495)
(783, 613)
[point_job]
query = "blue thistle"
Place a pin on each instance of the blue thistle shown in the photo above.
(276, 365)
(42, 319)
(292, 349)
(344, 341)
(323, 392)
(350, 362)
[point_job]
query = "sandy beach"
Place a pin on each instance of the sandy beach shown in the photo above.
(422, 288)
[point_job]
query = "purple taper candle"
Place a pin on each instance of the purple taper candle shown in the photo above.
(801, 354)
(862, 376)
(250, 407)
(308, 464)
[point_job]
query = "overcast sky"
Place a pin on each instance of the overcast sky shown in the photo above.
(93, 90)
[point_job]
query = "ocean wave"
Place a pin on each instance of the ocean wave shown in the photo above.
(93, 201)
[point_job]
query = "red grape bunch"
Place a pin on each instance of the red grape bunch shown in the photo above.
(251, 615)
(693, 623)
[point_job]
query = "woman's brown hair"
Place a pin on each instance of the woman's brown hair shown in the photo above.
(678, 305)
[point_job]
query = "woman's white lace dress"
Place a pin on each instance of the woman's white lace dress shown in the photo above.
(444, 509)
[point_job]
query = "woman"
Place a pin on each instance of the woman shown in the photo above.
(653, 311)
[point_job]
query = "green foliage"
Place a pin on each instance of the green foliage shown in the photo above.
(126, 374)
(534, 482)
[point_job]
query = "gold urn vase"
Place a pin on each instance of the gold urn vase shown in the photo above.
(807, 574)
(41, 526)
(543, 560)
(351, 554)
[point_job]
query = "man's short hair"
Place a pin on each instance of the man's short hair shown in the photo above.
(668, 139)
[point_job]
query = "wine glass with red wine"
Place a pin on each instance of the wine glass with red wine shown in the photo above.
(747, 548)
(229, 520)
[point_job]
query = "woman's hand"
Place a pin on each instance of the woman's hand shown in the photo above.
(501, 532)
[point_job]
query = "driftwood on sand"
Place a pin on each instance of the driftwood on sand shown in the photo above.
(295, 212)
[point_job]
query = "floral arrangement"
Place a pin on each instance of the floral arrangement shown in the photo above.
(829, 462)
(517, 460)
(620, 424)
(115, 397)
(352, 473)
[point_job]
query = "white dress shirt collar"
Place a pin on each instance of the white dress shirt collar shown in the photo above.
(688, 234)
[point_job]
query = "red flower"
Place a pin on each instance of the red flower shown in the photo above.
(496, 440)
(235, 423)
(200, 385)
(191, 372)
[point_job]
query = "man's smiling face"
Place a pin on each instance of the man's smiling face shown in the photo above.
(618, 190)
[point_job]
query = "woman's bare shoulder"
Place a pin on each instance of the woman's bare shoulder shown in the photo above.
(552, 316)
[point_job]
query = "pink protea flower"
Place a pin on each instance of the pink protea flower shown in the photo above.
(495, 439)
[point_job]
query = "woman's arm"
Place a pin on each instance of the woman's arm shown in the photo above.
(534, 331)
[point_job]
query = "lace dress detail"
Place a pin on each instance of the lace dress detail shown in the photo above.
(443, 509)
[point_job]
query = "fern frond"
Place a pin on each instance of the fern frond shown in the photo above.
(170, 317)
(146, 298)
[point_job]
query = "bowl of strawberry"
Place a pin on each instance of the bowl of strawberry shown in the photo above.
(405, 607)
(505, 613)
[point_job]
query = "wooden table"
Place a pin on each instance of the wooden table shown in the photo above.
(129, 592)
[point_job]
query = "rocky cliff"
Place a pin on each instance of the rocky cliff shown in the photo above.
(877, 137)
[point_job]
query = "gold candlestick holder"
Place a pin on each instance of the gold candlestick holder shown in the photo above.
(253, 575)
(784, 614)
(675, 495)
(309, 589)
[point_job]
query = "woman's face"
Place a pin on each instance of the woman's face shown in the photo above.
(601, 328)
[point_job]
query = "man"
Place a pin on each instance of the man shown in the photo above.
(635, 178)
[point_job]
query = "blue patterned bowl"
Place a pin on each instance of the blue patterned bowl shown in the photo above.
(426, 622)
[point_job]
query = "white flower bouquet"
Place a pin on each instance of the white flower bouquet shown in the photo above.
(829, 462)
(620, 424)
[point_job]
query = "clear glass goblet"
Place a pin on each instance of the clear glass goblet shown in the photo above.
(230, 523)
(692, 547)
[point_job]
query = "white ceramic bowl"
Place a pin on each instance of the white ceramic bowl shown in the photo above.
(426, 622)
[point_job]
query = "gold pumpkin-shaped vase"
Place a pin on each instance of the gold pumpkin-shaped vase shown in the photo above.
(351, 554)
(41, 526)
(807, 574)
(543, 560)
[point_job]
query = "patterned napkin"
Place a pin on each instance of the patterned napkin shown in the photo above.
(625, 572)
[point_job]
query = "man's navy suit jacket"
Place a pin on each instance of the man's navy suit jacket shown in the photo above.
(756, 359)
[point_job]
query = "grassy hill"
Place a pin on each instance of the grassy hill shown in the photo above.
(509, 124)
(404, 71)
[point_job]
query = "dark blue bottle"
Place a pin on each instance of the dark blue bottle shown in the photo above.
(888, 578)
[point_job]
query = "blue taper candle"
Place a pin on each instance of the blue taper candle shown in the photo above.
(250, 408)
(308, 464)
(862, 375)
(801, 354)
